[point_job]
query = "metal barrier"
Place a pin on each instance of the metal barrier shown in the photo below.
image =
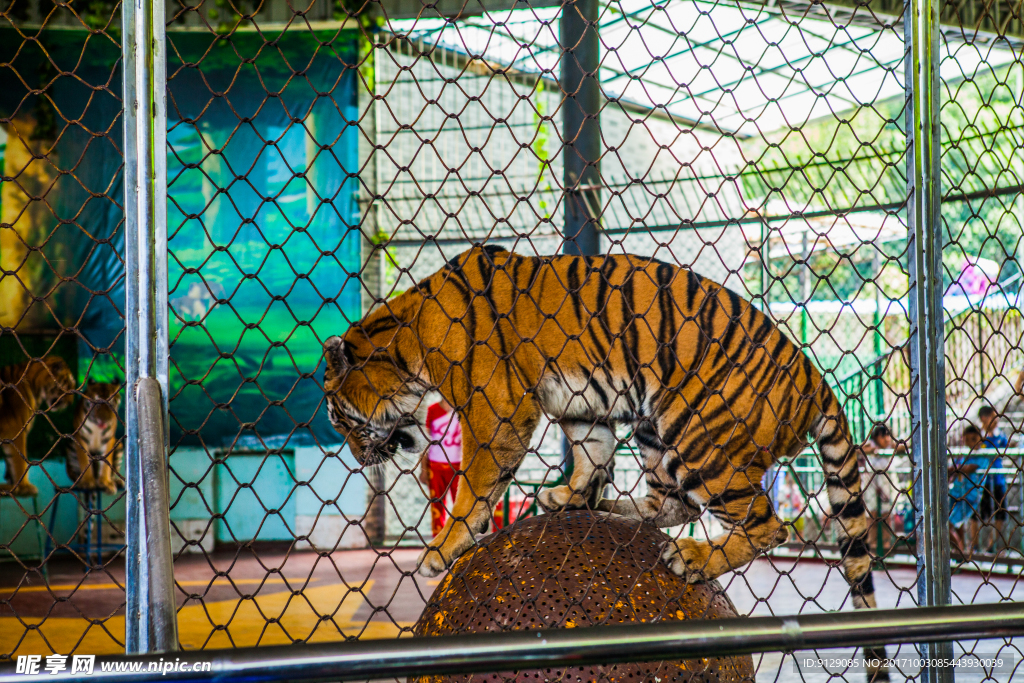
(156, 612)
(284, 171)
(562, 647)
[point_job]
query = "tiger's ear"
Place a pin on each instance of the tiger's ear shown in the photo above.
(338, 356)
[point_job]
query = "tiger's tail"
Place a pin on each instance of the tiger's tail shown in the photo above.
(842, 479)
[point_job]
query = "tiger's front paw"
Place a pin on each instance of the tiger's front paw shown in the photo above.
(22, 490)
(560, 498)
(688, 558)
(448, 546)
(431, 562)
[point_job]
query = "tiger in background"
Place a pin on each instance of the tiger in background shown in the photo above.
(97, 452)
(714, 393)
(24, 389)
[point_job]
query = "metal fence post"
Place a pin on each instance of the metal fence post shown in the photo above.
(581, 128)
(581, 139)
(149, 614)
(927, 356)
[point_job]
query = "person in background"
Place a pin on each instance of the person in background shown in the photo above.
(790, 503)
(993, 498)
(881, 439)
(878, 490)
(968, 476)
(1013, 410)
(440, 464)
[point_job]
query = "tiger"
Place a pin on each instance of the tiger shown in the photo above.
(713, 392)
(95, 460)
(24, 388)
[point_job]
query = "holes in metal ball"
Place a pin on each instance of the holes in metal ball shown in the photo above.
(576, 569)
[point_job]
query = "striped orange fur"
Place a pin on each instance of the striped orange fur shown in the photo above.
(712, 389)
(94, 460)
(24, 389)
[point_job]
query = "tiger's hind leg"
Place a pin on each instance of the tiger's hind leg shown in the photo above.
(752, 527)
(17, 466)
(593, 455)
(105, 476)
(660, 508)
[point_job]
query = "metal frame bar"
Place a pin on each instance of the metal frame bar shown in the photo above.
(581, 128)
(927, 355)
(149, 582)
(580, 63)
(378, 659)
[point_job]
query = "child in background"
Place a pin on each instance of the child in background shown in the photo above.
(968, 475)
(878, 492)
(441, 461)
(993, 498)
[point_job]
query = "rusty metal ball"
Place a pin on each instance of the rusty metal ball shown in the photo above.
(574, 569)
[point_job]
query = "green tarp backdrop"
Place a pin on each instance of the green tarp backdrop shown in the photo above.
(264, 248)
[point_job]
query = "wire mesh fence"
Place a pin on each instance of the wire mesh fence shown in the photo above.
(423, 288)
(61, 324)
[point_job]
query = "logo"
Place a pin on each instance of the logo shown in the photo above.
(32, 665)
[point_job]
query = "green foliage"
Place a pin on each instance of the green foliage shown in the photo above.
(982, 119)
(101, 15)
(858, 160)
(834, 163)
(540, 147)
(382, 240)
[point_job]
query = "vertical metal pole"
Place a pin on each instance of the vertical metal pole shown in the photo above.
(766, 268)
(581, 139)
(805, 285)
(927, 356)
(581, 128)
(375, 521)
(877, 391)
(131, 247)
(149, 616)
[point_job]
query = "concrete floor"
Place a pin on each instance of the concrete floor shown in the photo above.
(246, 598)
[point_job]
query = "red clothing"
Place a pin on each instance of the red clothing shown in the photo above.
(445, 435)
(443, 485)
(443, 457)
(434, 411)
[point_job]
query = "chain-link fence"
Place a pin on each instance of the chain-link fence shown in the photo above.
(61, 327)
(432, 272)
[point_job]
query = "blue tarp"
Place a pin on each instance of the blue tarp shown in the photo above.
(264, 249)
(262, 229)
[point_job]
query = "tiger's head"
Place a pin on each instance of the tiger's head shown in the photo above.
(56, 383)
(374, 397)
(101, 403)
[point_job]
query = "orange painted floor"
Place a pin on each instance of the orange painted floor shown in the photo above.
(269, 599)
